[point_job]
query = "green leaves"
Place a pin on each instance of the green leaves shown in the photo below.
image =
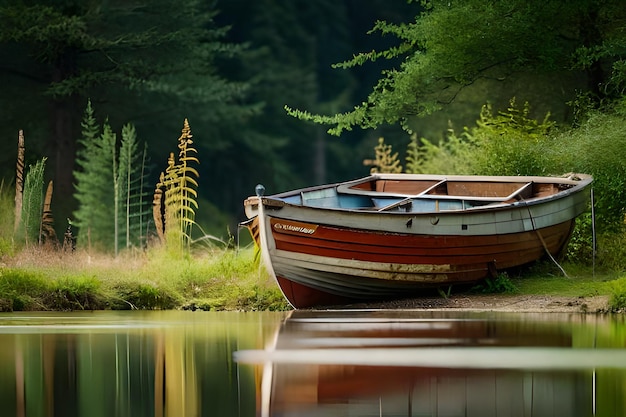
(451, 45)
(32, 204)
(112, 210)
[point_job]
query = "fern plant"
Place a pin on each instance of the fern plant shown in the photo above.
(32, 203)
(175, 198)
(132, 210)
(385, 161)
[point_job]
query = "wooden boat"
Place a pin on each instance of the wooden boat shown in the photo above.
(392, 235)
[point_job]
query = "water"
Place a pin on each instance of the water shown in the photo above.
(329, 363)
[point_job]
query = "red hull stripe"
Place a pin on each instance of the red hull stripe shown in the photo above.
(505, 250)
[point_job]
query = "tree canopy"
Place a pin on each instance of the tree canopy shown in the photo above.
(453, 44)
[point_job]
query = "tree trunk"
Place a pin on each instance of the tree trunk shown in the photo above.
(62, 144)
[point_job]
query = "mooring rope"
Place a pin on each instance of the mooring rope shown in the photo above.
(543, 242)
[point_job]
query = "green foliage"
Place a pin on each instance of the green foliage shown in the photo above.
(32, 204)
(178, 196)
(262, 298)
(450, 156)
(94, 183)
(597, 147)
(132, 210)
(144, 296)
(617, 299)
(580, 246)
(75, 293)
(451, 45)
(500, 284)
(21, 290)
(109, 187)
(611, 250)
(510, 142)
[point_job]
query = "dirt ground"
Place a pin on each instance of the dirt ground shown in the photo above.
(498, 302)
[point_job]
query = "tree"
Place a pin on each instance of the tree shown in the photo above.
(95, 189)
(452, 45)
(112, 209)
(123, 54)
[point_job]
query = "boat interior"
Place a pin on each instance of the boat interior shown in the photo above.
(422, 195)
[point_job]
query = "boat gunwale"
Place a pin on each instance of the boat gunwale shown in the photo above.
(497, 203)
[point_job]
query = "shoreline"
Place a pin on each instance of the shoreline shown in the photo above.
(495, 303)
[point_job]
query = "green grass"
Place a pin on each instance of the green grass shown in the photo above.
(209, 280)
(581, 281)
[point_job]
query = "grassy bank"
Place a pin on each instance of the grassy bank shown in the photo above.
(568, 280)
(219, 279)
(210, 280)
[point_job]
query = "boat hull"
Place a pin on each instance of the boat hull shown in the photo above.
(323, 256)
(348, 265)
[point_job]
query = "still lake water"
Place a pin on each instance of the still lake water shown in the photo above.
(311, 363)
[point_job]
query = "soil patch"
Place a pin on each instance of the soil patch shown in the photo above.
(496, 302)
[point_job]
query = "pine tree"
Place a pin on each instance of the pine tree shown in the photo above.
(109, 189)
(95, 191)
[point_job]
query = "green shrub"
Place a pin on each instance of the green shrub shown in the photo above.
(617, 299)
(597, 147)
(509, 142)
(500, 284)
(611, 250)
(580, 246)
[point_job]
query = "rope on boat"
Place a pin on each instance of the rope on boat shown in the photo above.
(543, 242)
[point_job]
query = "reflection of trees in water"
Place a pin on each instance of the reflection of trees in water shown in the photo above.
(166, 372)
(175, 379)
(34, 376)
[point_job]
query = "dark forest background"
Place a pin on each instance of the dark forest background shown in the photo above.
(230, 67)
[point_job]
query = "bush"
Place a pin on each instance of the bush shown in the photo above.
(617, 299)
(611, 250)
(580, 246)
(597, 147)
(500, 284)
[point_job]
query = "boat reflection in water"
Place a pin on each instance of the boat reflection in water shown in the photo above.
(412, 363)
